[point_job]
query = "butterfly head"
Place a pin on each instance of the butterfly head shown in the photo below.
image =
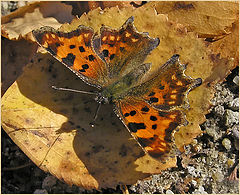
(101, 99)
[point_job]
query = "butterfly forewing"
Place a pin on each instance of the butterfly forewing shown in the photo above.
(124, 49)
(74, 50)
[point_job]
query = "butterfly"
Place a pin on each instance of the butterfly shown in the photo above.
(151, 106)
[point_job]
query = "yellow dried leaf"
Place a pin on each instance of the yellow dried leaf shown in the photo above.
(208, 19)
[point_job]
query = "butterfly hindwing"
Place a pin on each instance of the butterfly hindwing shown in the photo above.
(74, 50)
(152, 128)
(168, 88)
(151, 111)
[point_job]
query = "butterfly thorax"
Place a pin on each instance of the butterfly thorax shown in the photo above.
(118, 89)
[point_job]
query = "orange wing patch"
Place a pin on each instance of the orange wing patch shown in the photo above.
(74, 50)
(152, 128)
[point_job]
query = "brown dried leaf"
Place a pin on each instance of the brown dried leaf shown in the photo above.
(52, 127)
(21, 22)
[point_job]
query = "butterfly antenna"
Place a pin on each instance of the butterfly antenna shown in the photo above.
(74, 90)
(95, 116)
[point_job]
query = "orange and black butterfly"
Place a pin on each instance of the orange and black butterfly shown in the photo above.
(113, 62)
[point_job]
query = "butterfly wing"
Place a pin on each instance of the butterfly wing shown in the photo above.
(150, 127)
(124, 49)
(168, 88)
(75, 51)
(151, 110)
(98, 60)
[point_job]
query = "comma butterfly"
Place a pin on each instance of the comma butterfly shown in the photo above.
(113, 62)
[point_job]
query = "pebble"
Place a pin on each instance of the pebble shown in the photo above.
(231, 118)
(218, 176)
(40, 191)
(235, 131)
(192, 171)
(194, 183)
(169, 192)
(49, 181)
(219, 110)
(214, 154)
(200, 190)
(234, 105)
(212, 131)
(236, 80)
(226, 143)
(4, 4)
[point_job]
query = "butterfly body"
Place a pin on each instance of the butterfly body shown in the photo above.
(119, 89)
(113, 62)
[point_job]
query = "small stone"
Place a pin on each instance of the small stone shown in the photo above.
(226, 143)
(194, 182)
(49, 181)
(169, 192)
(218, 176)
(4, 5)
(213, 132)
(192, 171)
(200, 190)
(214, 154)
(21, 3)
(234, 105)
(236, 80)
(231, 118)
(235, 131)
(219, 110)
(40, 191)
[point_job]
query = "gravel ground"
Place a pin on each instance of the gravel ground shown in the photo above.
(209, 165)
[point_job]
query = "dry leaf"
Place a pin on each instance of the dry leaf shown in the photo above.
(15, 54)
(208, 19)
(79, 7)
(21, 22)
(52, 127)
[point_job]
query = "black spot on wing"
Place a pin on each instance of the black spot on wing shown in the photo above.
(126, 114)
(134, 127)
(105, 53)
(154, 126)
(69, 60)
(72, 46)
(151, 94)
(145, 109)
(84, 67)
(91, 58)
(81, 49)
(112, 56)
(153, 99)
(153, 118)
(133, 112)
